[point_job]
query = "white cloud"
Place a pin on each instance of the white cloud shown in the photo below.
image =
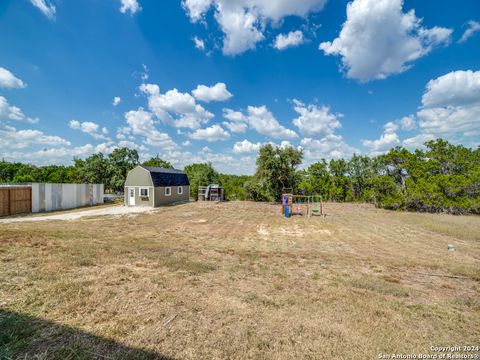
(90, 128)
(451, 105)
(243, 22)
(246, 146)
(116, 100)
(9, 112)
(408, 123)
(329, 147)
(131, 145)
(217, 92)
(46, 7)
(234, 116)
(129, 5)
(141, 123)
(293, 38)
(56, 155)
(263, 121)
(236, 127)
(456, 88)
(417, 141)
(387, 140)
(20, 139)
(176, 108)
(199, 43)
(186, 143)
(450, 121)
(9, 81)
(238, 122)
(212, 133)
(378, 39)
(258, 118)
(314, 120)
(473, 27)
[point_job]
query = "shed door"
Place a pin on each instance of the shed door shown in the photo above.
(131, 196)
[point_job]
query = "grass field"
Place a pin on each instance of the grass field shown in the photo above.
(237, 280)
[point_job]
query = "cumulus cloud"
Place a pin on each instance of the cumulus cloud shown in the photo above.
(199, 43)
(237, 123)
(245, 146)
(243, 22)
(211, 134)
(417, 141)
(10, 112)
(9, 81)
(263, 121)
(314, 120)
(140, 122)
(46, 7)
(387, 140)
(235, 127)
(293, 38)
(20, 139)
(260, 119)
(90, 128)
(451, 105)
(55, 155)
(116, 100)
(457, 88)
(378, 39)
(131, 145)
(408, 123)
(131, 6)
(175, 108)
(217, 92)
(473, 27)
(330, 146)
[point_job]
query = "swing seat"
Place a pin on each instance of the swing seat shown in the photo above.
(315, 210)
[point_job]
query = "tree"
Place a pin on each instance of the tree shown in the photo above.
(120, 162)
(157, 162)
(340, 183)
(95, 169)
(317, 179)
(200, 175)
(276, 170)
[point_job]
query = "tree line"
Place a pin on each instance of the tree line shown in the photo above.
(440, 178)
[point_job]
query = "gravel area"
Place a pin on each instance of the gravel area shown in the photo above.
(116, 210)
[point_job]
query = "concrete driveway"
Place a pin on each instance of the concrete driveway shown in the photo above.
(114, 210)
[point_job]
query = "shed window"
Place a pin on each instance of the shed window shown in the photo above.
(180, 190)
(168, 191)
(144, 192)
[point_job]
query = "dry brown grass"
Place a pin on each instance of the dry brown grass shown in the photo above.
(237, 280)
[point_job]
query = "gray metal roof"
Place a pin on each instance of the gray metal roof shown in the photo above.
(162, 170)
(167, 177)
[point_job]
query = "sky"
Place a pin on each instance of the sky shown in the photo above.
(214, 80)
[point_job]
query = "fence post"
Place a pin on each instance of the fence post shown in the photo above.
(9, 199)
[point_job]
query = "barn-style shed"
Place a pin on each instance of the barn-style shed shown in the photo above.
(152, 186)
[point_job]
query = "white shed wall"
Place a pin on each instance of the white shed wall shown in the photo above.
(48, 197)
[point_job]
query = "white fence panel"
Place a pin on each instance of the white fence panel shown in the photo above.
(48, 197)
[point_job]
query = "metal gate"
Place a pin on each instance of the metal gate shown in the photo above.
(15, 200)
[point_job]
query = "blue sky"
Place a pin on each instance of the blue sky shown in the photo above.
(213, 80)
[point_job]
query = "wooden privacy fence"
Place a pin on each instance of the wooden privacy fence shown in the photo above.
(15, 200)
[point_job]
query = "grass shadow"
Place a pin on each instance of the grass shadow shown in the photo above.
(26, 337)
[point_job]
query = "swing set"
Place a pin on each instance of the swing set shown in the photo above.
(296, 204)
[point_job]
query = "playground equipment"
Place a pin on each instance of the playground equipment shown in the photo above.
(311, 205)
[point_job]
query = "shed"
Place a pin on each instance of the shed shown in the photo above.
(152, 186)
